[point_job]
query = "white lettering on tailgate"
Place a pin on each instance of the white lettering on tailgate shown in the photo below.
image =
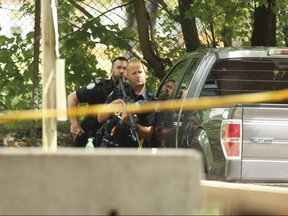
(261, 140)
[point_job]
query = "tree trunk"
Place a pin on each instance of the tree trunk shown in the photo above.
(285, 32)
(226, 32)
(146, 45)
(189, 28)
(35, 95)
(264, 29)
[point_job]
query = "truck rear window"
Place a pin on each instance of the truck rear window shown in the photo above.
(239, 76)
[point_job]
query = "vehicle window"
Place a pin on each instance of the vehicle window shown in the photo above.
(169, 120)
(182, 90)
(239, 76)
(171, 80)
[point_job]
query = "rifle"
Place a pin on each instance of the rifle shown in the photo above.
(132, 119)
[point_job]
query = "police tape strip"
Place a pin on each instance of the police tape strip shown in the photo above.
(201, 103)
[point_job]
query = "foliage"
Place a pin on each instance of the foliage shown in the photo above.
(226, 20)
(281, 10)
(16, 58)
(168, 39)
(82, 33)
(80, 37)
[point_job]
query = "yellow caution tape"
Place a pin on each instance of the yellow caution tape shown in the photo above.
(199, 103)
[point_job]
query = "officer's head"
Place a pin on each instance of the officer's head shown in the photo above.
(136, 74)
(166, 89)
(119, 67)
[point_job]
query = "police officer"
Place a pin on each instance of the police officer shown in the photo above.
(161, 134)
(166, 121)
(120, 134)
(166, 90)
(94, 93)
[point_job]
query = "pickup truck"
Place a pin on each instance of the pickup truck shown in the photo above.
(239, 142)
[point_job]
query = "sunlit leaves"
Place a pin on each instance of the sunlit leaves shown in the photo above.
(83, 34)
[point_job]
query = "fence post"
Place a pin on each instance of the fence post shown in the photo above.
(49, 130)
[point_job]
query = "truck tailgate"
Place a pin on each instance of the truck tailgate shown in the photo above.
(265, 142)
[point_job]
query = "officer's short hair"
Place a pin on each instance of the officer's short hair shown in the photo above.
(170, 80)
(120, 58)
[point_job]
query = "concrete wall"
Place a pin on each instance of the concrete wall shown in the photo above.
(77, 181)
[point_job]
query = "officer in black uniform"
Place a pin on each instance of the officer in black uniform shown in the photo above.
(94, 93)
(118, 127)
(161, 134)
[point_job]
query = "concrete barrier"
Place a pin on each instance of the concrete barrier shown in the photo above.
(246, 199)
(103, 182)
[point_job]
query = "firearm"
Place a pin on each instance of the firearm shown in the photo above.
(132, 119)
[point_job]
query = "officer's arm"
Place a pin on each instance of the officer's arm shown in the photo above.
(72, 101)
(102, 117)
(145, 132)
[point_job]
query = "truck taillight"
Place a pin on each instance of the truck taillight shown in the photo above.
(231, 138)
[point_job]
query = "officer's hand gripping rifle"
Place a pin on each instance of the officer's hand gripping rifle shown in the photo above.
(132, 119)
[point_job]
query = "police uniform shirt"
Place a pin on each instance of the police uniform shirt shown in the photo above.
(145, 119)
(94, 93)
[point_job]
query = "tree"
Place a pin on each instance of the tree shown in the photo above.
(149, 53)
(181, 26)
(188, 25)
(159, 38)
(264, 28)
